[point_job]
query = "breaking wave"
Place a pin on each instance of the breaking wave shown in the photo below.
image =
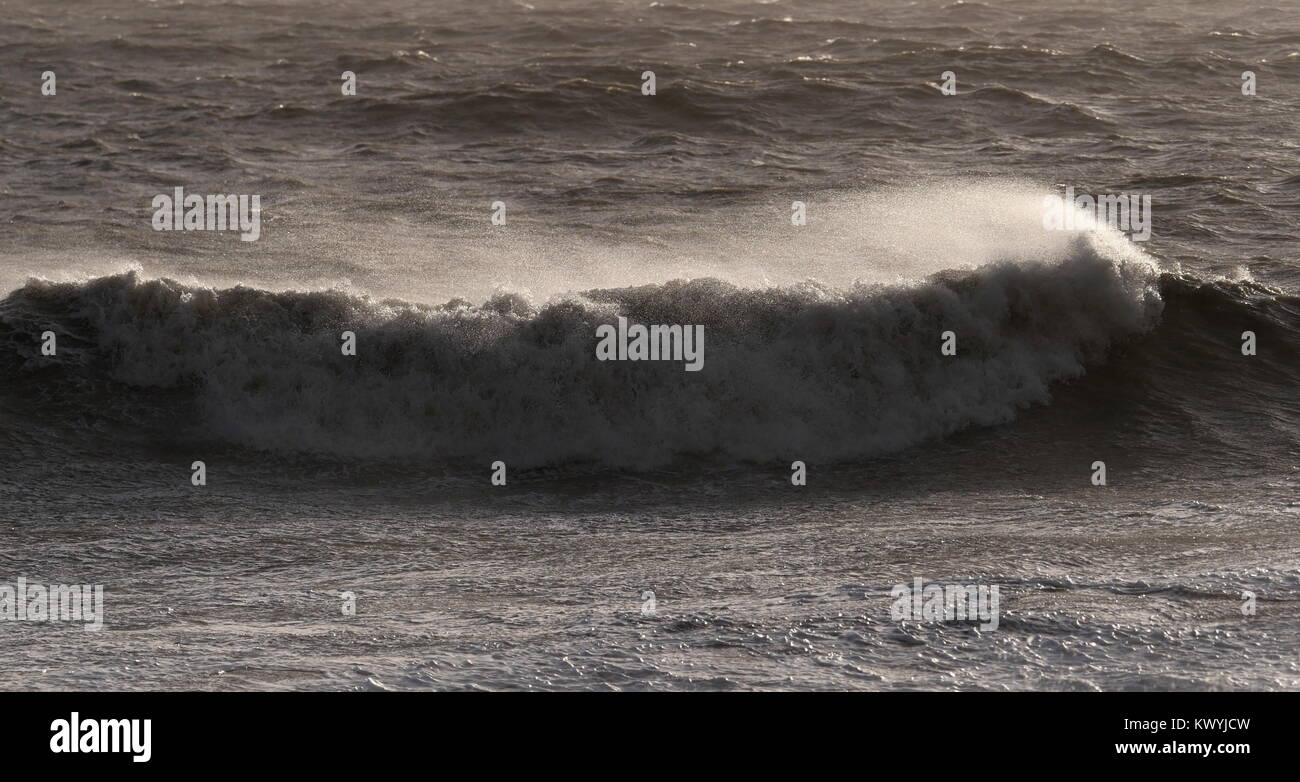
(805, 371)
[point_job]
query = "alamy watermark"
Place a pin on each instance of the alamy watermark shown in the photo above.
(89, 735)
(26, 602)
(1130, 214)
(651, 343)
(193, 212)
(921, 602)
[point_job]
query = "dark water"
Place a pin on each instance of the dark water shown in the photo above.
(369, 474)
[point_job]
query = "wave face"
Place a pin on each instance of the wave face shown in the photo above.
(805, 372)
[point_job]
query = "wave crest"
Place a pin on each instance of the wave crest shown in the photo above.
(801, 372)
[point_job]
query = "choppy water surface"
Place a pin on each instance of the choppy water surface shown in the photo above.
(370, 475)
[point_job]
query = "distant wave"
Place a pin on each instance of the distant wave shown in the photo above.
(805, 371)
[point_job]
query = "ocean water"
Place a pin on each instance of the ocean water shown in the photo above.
(370, 474)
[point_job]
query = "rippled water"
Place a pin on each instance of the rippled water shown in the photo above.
(370, 476)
